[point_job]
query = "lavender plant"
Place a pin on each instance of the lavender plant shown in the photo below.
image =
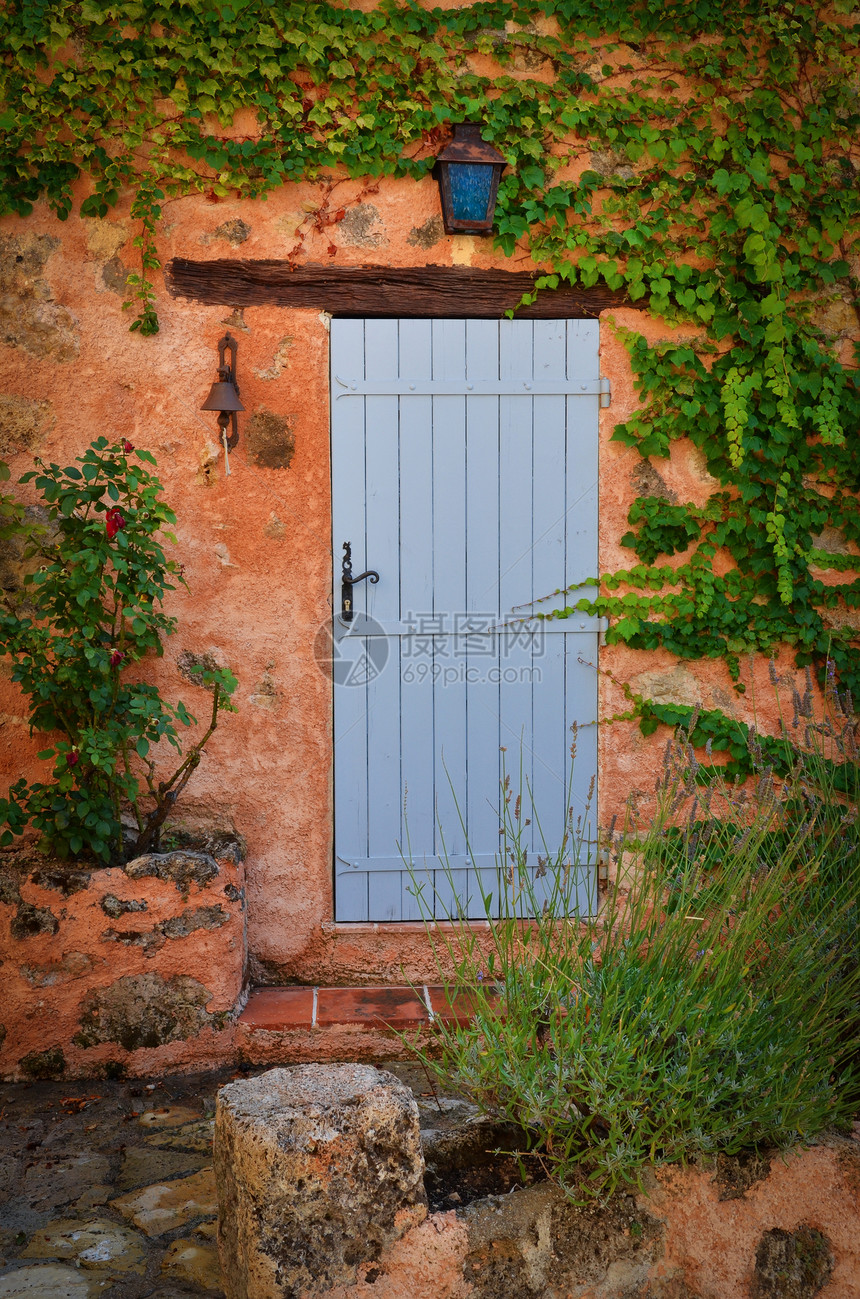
(712, 1003)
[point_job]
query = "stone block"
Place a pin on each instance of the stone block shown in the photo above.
(319, 1168)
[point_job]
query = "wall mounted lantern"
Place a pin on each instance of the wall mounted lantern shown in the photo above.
(224, 395)
(468, 171)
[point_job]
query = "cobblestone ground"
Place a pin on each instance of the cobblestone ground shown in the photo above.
(106, 1187)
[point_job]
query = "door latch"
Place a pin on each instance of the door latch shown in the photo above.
(347, 582)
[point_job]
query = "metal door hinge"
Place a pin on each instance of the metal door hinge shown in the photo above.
(605, 392)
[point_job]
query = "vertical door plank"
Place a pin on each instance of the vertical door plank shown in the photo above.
(449, 598)
(549, 497)
(516, 530)
(581, 694)
(382, 601)
(549, 508)
(350, 696)
(480, 646)
(382, 542)
(418, 798)
(582, 456)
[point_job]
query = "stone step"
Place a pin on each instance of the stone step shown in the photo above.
(293, 1024)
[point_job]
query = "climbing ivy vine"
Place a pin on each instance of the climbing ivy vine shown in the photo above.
(701, 154)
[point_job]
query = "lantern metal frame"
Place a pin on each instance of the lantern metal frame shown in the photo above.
(469, 147)
(224, 394)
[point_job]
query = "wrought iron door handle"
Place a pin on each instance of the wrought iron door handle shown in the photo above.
(347, 582)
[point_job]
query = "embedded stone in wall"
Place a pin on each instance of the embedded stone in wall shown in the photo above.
(222, 554)
(30, 920)
(23, 423)
(266, 693)
(15, 563)
(279, 360)
(531, 1242)
(791, 1264)
(226, 845)
(190, 666)
(182, 868)
(275, 528)
(428, 234)
(836, 317)
(60, 878)
(319, 1168)
(362, 227)
(612, 165)
(11, 878)
(833, 541)
(678, 686)
(149, 941)
(104, 238)
(29, 316)
(115, 276)
(737, 1174)
(71, 965)
(235, 231)
(50, 1063)
(236, 320)
(527, 60)
(646, 481)
(698, 463)
(144, 1010)
(841, 619)
(116, 907)
(196, 918)
(270, 440)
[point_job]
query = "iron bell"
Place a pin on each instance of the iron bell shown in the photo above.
(223, 396)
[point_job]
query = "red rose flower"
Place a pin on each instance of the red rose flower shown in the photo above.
(72, 759)
(114, 522)
(116, 657)
(127, 446)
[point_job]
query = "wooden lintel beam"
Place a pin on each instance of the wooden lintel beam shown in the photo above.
(420, 291)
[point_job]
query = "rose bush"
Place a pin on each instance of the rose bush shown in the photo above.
(90, 611)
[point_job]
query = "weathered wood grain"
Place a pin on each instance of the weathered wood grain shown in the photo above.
(404, 291)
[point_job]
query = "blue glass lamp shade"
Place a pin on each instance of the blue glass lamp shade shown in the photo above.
(468, 171)
(471, 183)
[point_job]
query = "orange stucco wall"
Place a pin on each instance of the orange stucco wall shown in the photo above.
(256, 545)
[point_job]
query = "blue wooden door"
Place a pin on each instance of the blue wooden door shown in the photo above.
(464, 471)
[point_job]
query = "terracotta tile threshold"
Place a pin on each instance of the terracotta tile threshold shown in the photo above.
(282, 1009)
